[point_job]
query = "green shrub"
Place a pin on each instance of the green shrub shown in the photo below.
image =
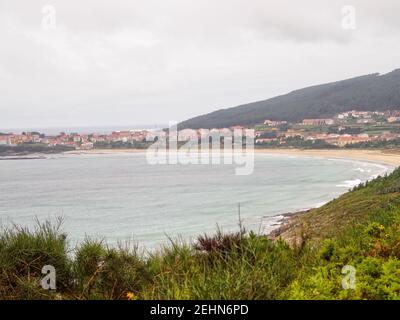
(23, 254)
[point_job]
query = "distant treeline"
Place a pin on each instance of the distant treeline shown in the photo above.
(122, 145)
(298, 142)
(27, 148)
(380, 144)
(301, 143)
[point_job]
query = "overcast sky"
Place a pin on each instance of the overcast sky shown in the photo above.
(121, 62)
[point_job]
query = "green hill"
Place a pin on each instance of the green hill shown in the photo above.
(370, 92)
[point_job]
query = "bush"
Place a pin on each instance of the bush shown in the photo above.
(23, 253)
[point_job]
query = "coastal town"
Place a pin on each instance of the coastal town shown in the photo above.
(344, 129)
(76, 141)
(355, 127)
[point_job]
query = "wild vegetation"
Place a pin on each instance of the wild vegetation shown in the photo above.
(380, 144)
(297, 143)
(304, 260)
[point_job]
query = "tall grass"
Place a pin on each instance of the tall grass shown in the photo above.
(23, 253)
(224, 266)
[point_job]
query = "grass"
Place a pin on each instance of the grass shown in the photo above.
(360, 229)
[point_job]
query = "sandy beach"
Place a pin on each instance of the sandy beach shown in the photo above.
(386, 157)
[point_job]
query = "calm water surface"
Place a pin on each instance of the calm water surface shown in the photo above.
(120, 197)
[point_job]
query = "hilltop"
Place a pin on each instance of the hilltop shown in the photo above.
(369, 92)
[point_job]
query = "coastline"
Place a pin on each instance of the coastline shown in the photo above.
(278, 222)
(289, 220)
(384, 157)
(281, 222)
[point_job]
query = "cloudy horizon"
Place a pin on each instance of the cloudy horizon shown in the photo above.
(103, 63)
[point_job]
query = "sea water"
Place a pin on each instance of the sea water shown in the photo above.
(120, 197)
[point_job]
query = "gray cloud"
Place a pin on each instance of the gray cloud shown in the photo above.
(120, 62)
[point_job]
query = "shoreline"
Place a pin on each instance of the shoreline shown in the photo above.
(382, 157)
(281, 221)
(388, 158)
(378, 156)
